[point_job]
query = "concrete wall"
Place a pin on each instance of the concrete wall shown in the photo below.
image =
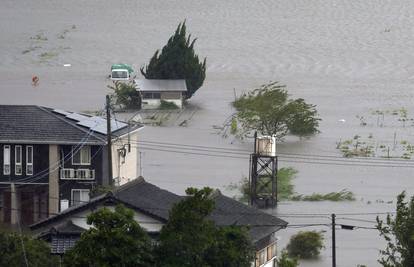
(126, 168)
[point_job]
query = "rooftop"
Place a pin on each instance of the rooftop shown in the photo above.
(37, 124)
(157, 202)
(161, 85)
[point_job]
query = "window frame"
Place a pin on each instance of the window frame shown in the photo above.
(27, 160)
(9, 159)
(259, 261)
(151, 95)
(15, 160)
(80, 155)
(72, 203)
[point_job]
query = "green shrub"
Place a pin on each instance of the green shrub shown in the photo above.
(305, 245)
(126, 95)
(168, 105)
(285, 261)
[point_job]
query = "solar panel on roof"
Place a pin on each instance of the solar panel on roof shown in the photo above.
(98, 124)
(77, 117)
(61, 112)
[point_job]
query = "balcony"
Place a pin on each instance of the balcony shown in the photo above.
(77, 174)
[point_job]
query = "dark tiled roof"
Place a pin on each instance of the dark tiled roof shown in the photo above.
(157, 202)
(147, 197)
(35, 124)
(62, 237)
(231, 212)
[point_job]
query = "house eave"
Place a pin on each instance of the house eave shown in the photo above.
(49, 142)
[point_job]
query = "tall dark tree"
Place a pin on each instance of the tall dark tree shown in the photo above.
(191, 239)
(116, 239)
(178, 60)
(398, 232)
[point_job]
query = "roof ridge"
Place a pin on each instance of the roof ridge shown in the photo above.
(128, 185)
(45, 109)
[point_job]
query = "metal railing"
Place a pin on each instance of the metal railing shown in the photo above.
(77, 174)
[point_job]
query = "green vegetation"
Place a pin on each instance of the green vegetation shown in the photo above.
(285, 261)
(398, 232)
(286, 190)
(233, 126)
(343, 195)
(269, 111)
(166, 105)
(116, 239)
(305, 245)
(126, 95)
(178, 60)
(47, 55)
(36, 252)
(190, 239)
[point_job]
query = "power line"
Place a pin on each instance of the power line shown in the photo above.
(296, 155)
(343, 162)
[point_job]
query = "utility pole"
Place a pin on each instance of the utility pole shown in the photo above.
(333, 241)
(109, 139)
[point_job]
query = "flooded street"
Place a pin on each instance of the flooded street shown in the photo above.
(350, 58)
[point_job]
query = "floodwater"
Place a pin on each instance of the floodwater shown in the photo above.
(348, 57)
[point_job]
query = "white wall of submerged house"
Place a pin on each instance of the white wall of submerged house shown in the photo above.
(155, 103)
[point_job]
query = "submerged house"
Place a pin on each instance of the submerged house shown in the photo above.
(52, 159)
(151, 206)
(152, 92)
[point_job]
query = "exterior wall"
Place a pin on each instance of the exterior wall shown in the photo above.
(174, 97)
(18, 202)
(79, 219)
(269, 252)
(40, 163)
(66, 185)
(125, 168)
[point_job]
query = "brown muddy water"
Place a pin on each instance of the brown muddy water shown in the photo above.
(350, 58)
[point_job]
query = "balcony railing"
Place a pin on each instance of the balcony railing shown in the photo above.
(77, 174)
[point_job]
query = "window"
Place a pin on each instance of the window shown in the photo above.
(271, 251)
(79, 196)
(18, 160)
(81, 156)
(29, 160)
(6, 160)
(151, 95)
(261, 257)
(120, 74)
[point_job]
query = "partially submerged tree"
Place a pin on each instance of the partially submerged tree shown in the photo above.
(285, 261)
(178, 60)
(398, 232)
(22, 250)
(116, 239)
(126, 95)
(269, 111)
(305, 244)
(191, 239)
